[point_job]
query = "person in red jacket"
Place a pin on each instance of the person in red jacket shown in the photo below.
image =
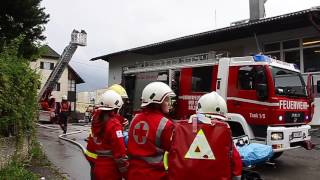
(106, 151)
(202, 147)
(150, 133)
(64, 112)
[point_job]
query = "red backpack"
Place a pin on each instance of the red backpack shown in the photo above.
(201, 151)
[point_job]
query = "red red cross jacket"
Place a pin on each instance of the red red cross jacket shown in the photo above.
(64, 106)
(107, 143)
(203, 150)
(149, 136)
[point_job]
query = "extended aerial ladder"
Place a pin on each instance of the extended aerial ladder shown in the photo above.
(77, 39)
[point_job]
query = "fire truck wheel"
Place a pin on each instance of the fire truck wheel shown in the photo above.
(276, 155)
(250, 175)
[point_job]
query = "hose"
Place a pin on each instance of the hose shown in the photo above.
(62, 136)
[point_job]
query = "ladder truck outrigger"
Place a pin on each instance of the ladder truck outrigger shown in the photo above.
(268, 100)
(47, 113)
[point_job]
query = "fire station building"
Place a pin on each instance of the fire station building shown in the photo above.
(293, 38)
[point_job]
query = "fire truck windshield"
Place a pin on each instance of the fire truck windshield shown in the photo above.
(288, 83)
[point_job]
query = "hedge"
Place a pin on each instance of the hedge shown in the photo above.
(18, 93)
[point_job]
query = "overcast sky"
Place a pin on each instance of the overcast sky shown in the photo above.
(115, 25)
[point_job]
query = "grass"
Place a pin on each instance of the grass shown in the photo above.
(39, 164)
(37, 155)
(16, 171)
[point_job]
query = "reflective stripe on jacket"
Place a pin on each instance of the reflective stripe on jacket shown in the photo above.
(149, 136)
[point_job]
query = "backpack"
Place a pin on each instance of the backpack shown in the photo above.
(201, 151)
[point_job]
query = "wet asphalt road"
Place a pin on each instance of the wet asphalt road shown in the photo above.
(298, 164)
(67, 157)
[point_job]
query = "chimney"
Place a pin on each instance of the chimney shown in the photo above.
(257, 10)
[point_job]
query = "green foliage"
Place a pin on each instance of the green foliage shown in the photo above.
(37, 155)
(18, 92)
(22, 17)
(16, 171)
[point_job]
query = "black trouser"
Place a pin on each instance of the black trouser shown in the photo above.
(64, 121)
(91, 170)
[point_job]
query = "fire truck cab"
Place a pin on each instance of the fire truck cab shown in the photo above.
(267, 97)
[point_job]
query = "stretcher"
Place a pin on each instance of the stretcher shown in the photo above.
(252, 154)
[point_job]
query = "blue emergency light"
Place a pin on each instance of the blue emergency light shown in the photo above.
(261, 58)
(296, 66)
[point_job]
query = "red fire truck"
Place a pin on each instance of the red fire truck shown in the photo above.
(267, 99)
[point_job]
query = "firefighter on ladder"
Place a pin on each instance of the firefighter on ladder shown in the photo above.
(202, 147)
(150, 134)
(106, 151)
(64, 112)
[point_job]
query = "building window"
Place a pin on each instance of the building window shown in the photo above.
(57, 87)
(291, 44)
(297, 51)
(272, 50)
(292, 57)
(72, 85)
(311, 54)
(46, 65)
(311, 58)
(201, 79)
(313, 41)
(274, 55)
(272, 47)
(285, 50)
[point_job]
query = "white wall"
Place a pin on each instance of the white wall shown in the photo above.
(44, 75)
(83, 98)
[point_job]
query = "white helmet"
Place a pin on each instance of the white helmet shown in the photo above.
(212, 104)
(64, 97)
(110, 100)
(155, 92)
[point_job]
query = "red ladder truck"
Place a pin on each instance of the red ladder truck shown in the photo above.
(267, 99)
(46, 112)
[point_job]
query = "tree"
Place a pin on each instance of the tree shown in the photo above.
(22, 18)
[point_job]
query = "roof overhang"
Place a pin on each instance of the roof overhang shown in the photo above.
(78, 79)
(48, 52)
(250, 29)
